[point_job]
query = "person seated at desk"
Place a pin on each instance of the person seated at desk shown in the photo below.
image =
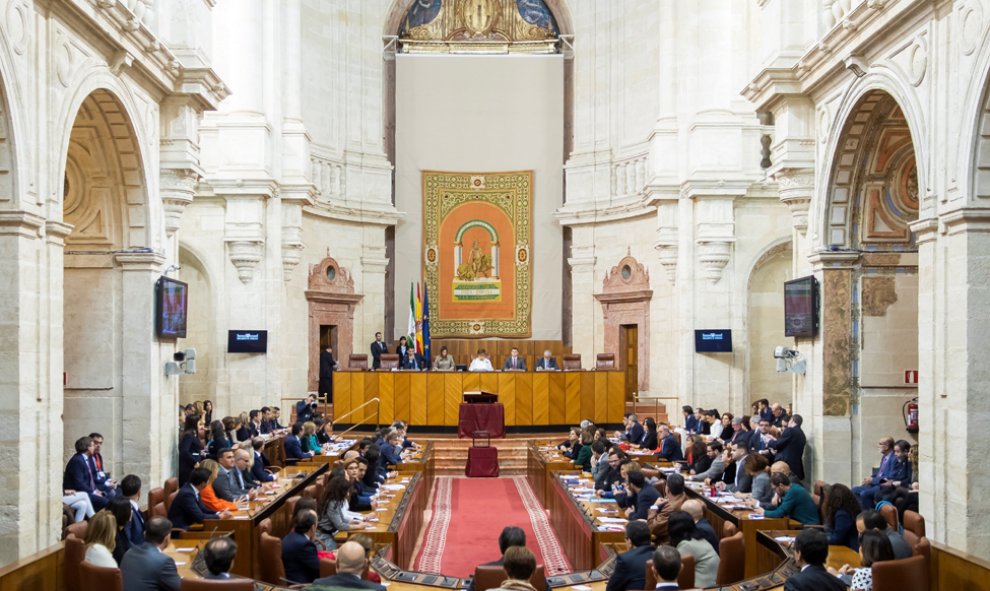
(123, 514)
(894, 469)
(659, 516)
(293, 446)
(403, 428)
(514, 361)
(666, 568)
(582, 457)
(299, 555)
(547, 362)
(391, 448)
(306, 409)
(519, 564)
(630, 566)
(511, 537)
(599, 463)
(645, 495)
(308, 440)
(210, 499)
(688, 539)
(840, 510)
(266, 420)
(868, 520)
(411, 360)
(261, 461)
(810, 553)
(614, 482)
(795, 502)
(651, 436)
(401, 349)
(444, 361)
(351, 562)
(250, 428)
(230, 484)
(80, 476)
(874, 547)
(670, 450)
(696, 509)
(146, 567)
(187, 508)
(690, 421)
(714, 471)
(101, 536)
(218, 554)
(481, 362)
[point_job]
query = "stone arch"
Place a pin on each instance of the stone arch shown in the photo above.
(399, 9)
(765, 321)
(201, 332)
(9, 171)
(977, 112)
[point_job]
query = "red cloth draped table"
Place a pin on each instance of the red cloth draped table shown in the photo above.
(481, 417)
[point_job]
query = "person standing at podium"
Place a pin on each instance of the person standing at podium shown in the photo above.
(481, 362)
(515, 362)
(377, 348)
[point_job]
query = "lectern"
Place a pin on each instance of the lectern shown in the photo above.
(481, 417)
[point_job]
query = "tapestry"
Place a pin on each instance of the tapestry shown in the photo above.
(477, 233)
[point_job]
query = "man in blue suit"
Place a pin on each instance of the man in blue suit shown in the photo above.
(893, 470)
(634, 431)
(377, 348)
(670, 450)
(187, 508)
(789, 447)
(293, 447)
(547, 362)
(645, 495)
(299, 556)
(79, 475)
(218, 554)
(258, 472)
(146, 567)
(630, 566)
(810, 552)
(411, 360)
(130, 488)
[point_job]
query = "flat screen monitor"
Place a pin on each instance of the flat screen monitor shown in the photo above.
(801, 307)
(247, 341)
(171, 308)
(714, 340)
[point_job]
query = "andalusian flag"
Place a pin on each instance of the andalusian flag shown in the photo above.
(411, 331)
(419, 322)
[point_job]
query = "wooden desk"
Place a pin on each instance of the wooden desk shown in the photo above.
(274, 450)
(400, 517)
(244, 523)
(542, 459)
(183, 552)
(577, 523)
(530, 398)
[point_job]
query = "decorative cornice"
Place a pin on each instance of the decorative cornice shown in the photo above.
(834, 259)
(591, 213)
(364, 214)
(21, 223)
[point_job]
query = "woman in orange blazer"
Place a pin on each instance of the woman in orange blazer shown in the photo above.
(210, 499)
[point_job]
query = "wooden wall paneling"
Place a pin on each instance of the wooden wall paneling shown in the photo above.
(600, 396)
(472, 382)
(572, 397)
(436, 391)
(402, 394)
(953, 570)
(616, 384)
(372, 388)
(587, 389)
(418, 399)
(453, 393)
(386, 391)
(357, 396)
(524, 399)
(507, 395)
(541, 398)
(341, 392)
(557, 399)
(41, 571)
(489, 382)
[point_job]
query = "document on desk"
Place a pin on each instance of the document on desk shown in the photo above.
(393, 486)
(613, 520)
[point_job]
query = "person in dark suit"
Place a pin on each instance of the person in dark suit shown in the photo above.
(630, 566)
(670, 450)
(691, 423)
(514, 361)
(327, 366)
(411, 360)
(302, 563)
(377, 348)
(510, 536)
(810, 552)
(190, 448)
(218, 554)
(391, 448)
(130, 489)
(79, 474)
(187, 508)
(789, 446)
(696, 510)
(229, 484)
(666, 567)
(401, 349)
(634, 431)
(645, 495)
(258, 472)
(145, 567)
(547, 362)
(351, 561)
(293, 447)
(103, 480)
(252, 428)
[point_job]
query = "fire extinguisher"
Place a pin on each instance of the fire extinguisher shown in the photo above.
(911, 415)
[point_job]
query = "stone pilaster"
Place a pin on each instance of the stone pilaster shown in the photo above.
(582, 262)
(370, 318)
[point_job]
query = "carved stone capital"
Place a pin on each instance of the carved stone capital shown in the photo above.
(245, 255)
(178, 186)
(713, 256)
(796, 187)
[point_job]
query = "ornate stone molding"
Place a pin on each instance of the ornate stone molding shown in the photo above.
(245, 255)
(713, 256)
(178, 186)
(625, 300)
(796, 187)
(583, 259)
(21, 223)
(667, 243)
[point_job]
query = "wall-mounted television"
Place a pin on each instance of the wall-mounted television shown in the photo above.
(171, 308)
(713, 340)
(801, 307)
(247, 341)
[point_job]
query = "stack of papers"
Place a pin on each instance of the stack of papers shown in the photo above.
(613, 519)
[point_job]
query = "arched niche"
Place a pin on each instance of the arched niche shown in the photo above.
(625, 300)
(331, 297)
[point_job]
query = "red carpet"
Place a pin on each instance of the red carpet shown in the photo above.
(468, 516)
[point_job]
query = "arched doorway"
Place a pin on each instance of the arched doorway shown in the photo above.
(765, 324)
(869, 277)
(201, 334)
(109, 274)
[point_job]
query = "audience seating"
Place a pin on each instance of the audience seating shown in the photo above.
(605, 361)
(732, 559)
(75, 553)
(389, 360)
(889, 513)
(77, 529)
(908, 574)
(270, 559)
(291, 503)
(914, 522)
(328, 567)
(685, 580)
(310, 491)
(911, 539)
(217, 585)
(265, 526)
(100, 577)
(155, 496)
(491, 577)
(729, 529)
(171, 486)
(571, 362)
(169, 499)
(357, 361)
(159, 510)
(923, 548)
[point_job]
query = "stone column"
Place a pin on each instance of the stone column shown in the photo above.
(583, 285)
(370, 318)
(149, 399)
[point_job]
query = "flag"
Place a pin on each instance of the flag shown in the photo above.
(419, 322)
(411, 330)
(426, 326)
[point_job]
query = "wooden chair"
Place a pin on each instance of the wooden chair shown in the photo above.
(911, 539)
(217, 585)
(169, 499)
(389, 360)
(732, 559)
(605, 361)
(915, 522)
(889, 513)
(77, 529)
(159, 510)
(270, 559)
(685, 580)
(923, 548)
(729, 529)
(328, 567)
(291, 503)
(491, 577)
(100, 577)
(908, 574)
(75, 553)
(171, 486)
(265, 526)
(571, 362)
(155, 496)
(310, 491)
(357, 361)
